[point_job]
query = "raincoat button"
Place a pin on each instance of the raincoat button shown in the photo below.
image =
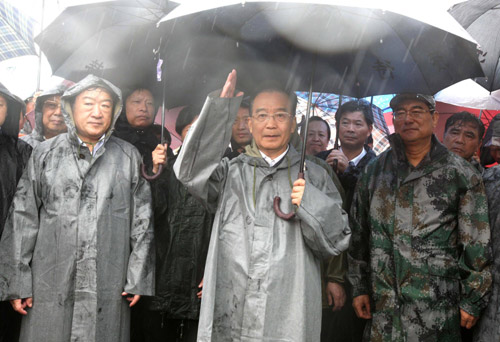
(81, 156)
(271, 177)
(248, 220)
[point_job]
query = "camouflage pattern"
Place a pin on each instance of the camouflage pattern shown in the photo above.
(420, 244)
(488, 326)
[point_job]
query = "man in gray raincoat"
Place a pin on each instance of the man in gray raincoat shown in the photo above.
(418, 261)
(49, 120)
(488, 328)
(262, 277)
(78, 240)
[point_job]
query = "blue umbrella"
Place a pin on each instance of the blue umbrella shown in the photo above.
(16, 33)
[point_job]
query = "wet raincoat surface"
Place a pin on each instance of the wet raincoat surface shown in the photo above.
(420, 245)
(78, 234)
(262, 277)
(36, 137)
(14, 155)
(488, 328)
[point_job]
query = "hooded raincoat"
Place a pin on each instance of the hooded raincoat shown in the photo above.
(79, 233)
(14, 155)
(37, 136)
(262, 277)
(420, 244)
(488, 328)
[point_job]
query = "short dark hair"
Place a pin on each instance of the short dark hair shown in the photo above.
(185, 117)
(317, 118)
(356, 106)
(273, 86)
(465, 117)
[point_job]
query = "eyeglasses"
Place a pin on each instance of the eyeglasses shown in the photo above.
(400, 115)
(51, 105)
(279, 117)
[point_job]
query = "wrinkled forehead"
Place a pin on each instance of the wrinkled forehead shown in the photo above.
(271, 98)
(465, 126)
(411, 104)
(52, 99)
(96, 93)
(141, 93)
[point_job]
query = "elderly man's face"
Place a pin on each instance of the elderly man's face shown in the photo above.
(52, 118)
(272, 122)
(140, 108)
(241, 132)
(92, 113)
(462, 138)
(414, 122)
(3, 110)
(317, 137)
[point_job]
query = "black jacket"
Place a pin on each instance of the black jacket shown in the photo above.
(182, 233)
(350, 176)
(14, 153)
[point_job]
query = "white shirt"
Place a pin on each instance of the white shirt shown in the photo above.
(276, 160)
(97, 146)
(356, 159)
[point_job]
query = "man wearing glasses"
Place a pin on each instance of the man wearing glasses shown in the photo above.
(262, 276)
(49, 121)
(419, 256)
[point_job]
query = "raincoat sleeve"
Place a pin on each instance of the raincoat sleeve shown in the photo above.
(474, 236)
(19, 237)
(199, 165)
(324, 223)
(358, 255)
(141, 263)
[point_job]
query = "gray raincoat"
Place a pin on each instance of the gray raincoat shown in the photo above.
(79, 233)
(36, 137)
(262, 277)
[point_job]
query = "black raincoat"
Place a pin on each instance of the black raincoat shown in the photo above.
(14, 155)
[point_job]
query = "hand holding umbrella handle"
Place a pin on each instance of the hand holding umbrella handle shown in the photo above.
(276, 205)
(148, 177)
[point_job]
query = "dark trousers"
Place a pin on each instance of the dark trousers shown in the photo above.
(10, 323)
(153, 326)
(343, 325)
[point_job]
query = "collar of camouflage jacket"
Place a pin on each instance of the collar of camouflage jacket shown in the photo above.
(436, 158)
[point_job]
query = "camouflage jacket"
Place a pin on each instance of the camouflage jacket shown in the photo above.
(420, 244)
(488, 327)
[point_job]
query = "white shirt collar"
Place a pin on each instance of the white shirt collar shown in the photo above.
(97, 146)
(276, 160)
(356, 159)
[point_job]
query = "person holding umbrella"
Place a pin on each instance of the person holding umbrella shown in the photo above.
(262, 277)
(419, 258)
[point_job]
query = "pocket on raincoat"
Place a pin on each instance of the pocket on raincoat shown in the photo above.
(444, 280)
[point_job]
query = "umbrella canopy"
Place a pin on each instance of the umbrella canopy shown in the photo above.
(468, 93)
(16, 33)
(360, 51)
(114, 40)
(481, 18)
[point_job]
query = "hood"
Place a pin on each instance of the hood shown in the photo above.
(14, 106)
(38, 130)
(70, 94)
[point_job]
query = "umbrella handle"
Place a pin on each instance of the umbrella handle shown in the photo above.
(276, 205)
(148, 177)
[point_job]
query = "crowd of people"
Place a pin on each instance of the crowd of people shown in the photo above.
(109, 235)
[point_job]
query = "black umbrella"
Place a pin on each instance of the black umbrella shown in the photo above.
(481, 18)
(356, 51)
(361, 51)
(114, 40)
